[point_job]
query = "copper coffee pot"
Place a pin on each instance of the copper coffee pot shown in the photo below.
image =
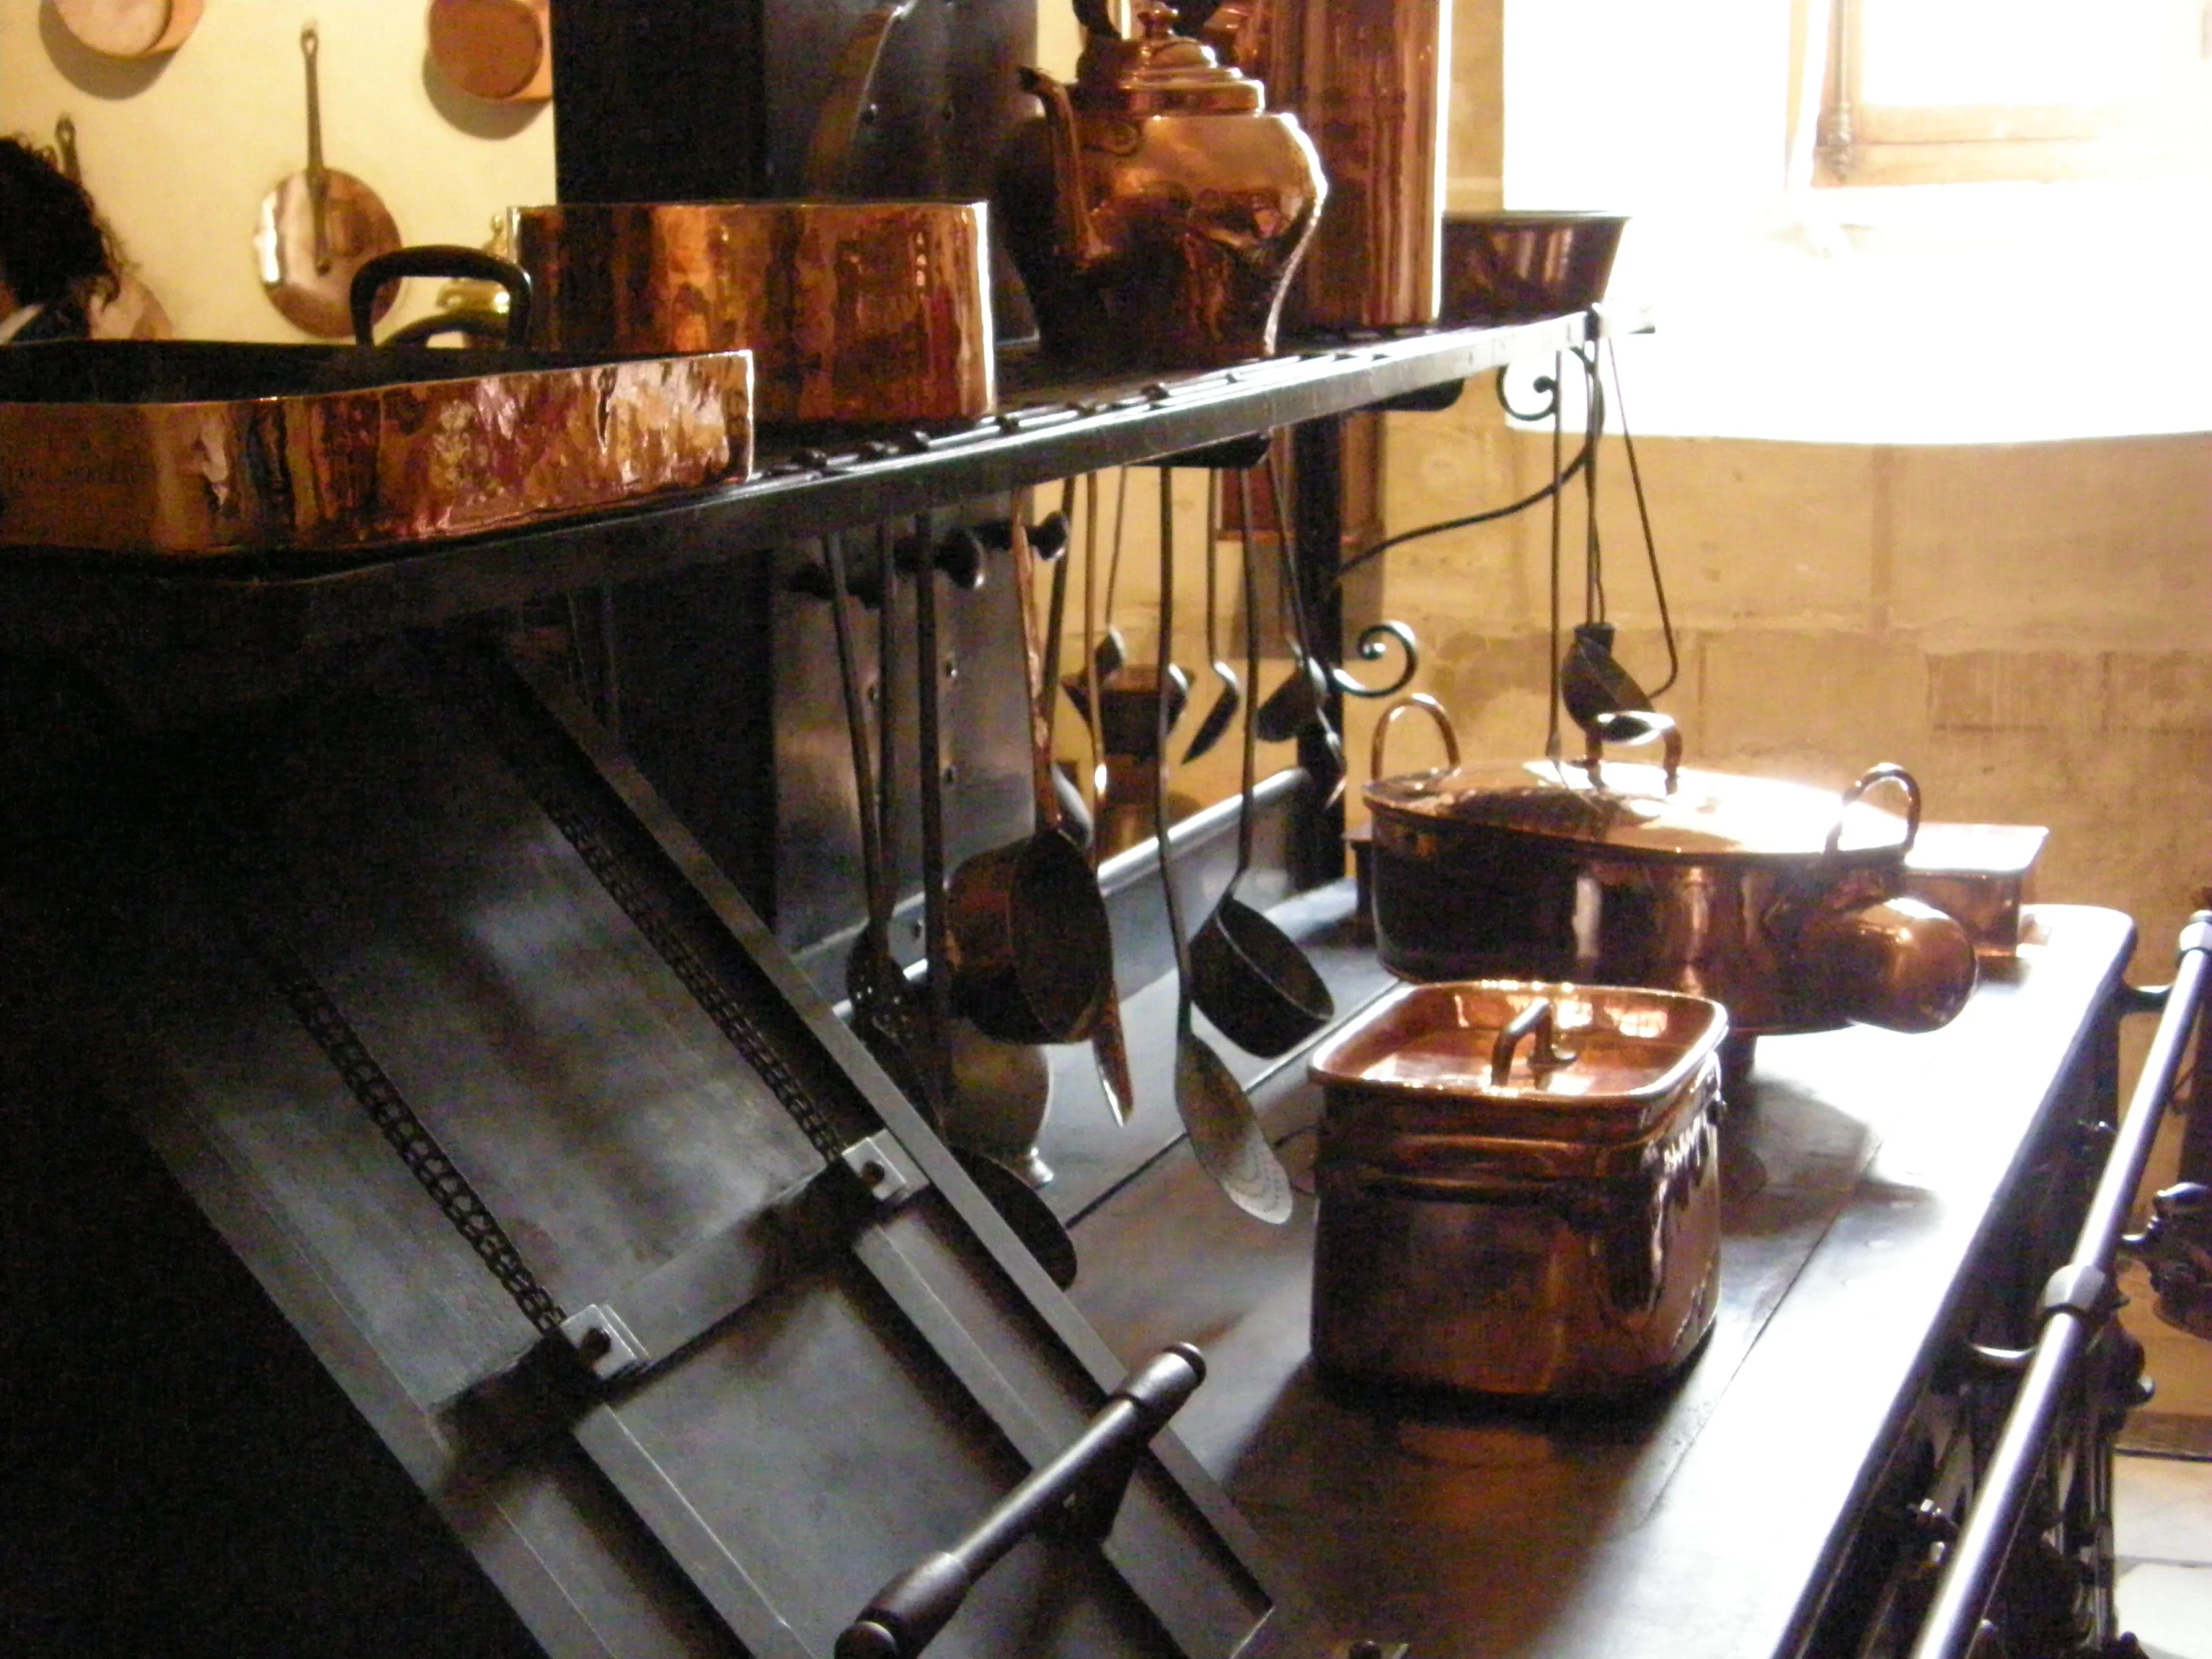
(1157, 208)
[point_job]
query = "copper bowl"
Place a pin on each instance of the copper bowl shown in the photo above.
(1514, 267)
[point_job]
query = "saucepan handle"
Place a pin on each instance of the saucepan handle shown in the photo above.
(1886, 772)
(1630, 726)
(455, 264)
(1433, 710)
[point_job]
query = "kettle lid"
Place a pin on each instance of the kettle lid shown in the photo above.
(1161, 72)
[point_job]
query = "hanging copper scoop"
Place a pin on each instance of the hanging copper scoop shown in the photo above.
(317, 227)
(1157, 208)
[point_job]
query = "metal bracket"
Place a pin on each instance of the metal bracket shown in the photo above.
(883, 1169)
(604, 1342)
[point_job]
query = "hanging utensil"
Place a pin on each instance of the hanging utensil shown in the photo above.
(887, 1013)
(1031, 951)
(319, 227)
(1109, 1049)
(1247, 975)
(1224, 1131)
(1301, 703)
(134, 312)
(1210, 728)
(1111, 650)
(1075, 812)
(1010, 1191)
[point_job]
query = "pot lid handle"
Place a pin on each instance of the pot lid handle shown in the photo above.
(1630, 726)
(1886, 772)
(1541, 1021)
(1436, 712)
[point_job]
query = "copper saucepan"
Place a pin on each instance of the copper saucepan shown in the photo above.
(856, 312)
(1032, 956)
(1782, 902)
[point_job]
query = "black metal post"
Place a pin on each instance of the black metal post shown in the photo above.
(1316, 851)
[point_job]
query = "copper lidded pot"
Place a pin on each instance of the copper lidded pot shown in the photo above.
(1157, 208)
(1785, 902)
(1520, 1188)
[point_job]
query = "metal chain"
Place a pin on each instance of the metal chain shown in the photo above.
(408, 1135)
(712, 997)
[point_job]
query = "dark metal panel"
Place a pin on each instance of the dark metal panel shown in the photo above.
(660, 100)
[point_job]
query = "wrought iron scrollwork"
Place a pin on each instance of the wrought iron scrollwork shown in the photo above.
(1373, 645)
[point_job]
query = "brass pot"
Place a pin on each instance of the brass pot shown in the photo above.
(1519, 1188)
(855, 311)
(1782, 902)
(1157, 208)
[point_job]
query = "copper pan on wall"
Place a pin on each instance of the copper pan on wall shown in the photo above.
(856, 312)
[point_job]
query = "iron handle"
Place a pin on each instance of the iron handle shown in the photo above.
(1632, 727)
(1887, 772)
(1084, 1485)
(471, 264)
(1434, 711)
(1539, 1021)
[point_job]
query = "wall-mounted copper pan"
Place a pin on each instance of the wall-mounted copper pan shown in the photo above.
(498, 50)
(194, 448)
(130, 28)
(856, 312)
(1782, 902)
(1519, 1188)
(1158, 208)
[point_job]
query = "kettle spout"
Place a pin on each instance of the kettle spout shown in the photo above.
(1079, 240)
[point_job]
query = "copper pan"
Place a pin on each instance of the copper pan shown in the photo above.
(317, 227)
(856, 312)
(130, 28)
(498, 50)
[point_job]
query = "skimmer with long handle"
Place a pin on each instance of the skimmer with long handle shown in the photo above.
(1224, 1131)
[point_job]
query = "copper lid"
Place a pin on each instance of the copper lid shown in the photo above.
(1161, 73)
(1705, 815)
(1428, 1055)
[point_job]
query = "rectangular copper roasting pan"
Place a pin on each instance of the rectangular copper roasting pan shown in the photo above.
(185, 448)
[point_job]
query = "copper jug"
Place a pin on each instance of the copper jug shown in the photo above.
(1157, 208)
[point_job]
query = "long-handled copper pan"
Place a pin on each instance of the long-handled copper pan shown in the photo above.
(1032, 957)
(317, 227)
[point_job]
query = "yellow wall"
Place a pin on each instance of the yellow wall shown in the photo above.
(178, 152)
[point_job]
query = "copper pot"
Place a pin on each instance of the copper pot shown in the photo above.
(1782, 902)
(1519, 1188)
(855, 311)
(1371, 81)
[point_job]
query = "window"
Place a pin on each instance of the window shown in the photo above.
(1943, 90)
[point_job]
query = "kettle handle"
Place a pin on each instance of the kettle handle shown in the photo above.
(1630, 726)
(1886, 772)
(1427, 706)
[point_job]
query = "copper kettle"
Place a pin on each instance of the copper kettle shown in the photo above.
(1157, 208)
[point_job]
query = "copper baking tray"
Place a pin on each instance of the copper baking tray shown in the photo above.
(183, 448)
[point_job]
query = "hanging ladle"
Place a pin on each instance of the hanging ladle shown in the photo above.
(1225, 1136)
(1032, 954)
(888, 1013)
(1216, 724)
(1247, 975)
(1112, 651)
(955, 1075)
(1301, 701)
